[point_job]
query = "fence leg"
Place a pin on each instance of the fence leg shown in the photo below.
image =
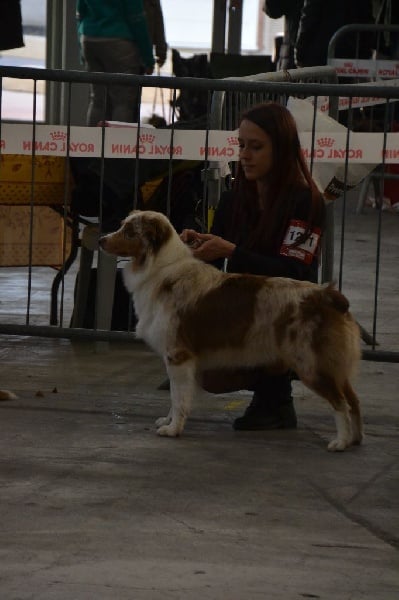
(327, 263)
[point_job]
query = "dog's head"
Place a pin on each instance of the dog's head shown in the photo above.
(142, 234)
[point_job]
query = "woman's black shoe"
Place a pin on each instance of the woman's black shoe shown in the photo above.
(256, 418)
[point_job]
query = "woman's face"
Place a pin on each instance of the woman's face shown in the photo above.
(256, 153)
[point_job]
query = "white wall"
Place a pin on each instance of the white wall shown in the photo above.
(34, 12)
(188, 24)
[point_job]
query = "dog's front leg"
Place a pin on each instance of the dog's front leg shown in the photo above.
(164, 420)
(182, 389)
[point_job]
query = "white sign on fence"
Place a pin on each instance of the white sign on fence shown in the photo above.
(150, 143)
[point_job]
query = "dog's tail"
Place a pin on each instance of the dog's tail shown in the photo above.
(6, 395)
(338, 300)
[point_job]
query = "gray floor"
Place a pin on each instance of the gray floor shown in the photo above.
(95, 506)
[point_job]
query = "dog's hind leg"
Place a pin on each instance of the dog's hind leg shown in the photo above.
(182, 389)
(355, 413)
(344, 430)
(326, 387)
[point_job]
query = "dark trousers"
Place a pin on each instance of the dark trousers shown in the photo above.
(269, 390)
(272, 391)
(114, 102)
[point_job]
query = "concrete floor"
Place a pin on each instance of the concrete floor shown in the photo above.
(95, 506)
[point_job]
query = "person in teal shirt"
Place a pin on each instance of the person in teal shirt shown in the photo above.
(114, 38)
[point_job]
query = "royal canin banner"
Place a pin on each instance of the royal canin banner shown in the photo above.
(371, 69)
(344, 103)
(119, 142)
(151, 143)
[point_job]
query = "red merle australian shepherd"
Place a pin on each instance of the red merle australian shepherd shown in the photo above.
(187, 312)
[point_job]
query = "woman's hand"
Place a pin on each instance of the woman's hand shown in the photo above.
(206, 246)
(190, 237)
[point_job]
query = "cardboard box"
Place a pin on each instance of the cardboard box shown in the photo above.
(48, 235)
(46, 179)
(26, 195)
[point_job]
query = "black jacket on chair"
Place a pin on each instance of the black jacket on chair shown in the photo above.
(10, 25)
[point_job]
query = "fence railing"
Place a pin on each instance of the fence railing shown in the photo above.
(375, 68)
(128, 163)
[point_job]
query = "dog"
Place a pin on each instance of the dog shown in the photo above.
(197, 318)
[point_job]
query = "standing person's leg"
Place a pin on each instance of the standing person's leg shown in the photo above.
(93, 53)
(123, 56)
(271, 407)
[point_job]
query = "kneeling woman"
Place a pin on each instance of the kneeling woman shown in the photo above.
(270, 223)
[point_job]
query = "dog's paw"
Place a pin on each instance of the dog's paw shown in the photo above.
(168, 431)
(337, 445)
(163, 421)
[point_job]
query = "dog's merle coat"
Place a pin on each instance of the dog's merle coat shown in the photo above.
(197, 318)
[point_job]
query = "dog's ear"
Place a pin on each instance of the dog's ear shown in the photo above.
(129, 230)
(157, 232)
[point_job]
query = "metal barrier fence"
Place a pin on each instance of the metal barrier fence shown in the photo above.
(372, 69)
(141, 159)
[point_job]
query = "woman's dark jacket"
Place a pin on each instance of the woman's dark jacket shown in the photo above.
(274, 264)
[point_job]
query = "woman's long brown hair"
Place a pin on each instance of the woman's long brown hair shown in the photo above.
(289, 175)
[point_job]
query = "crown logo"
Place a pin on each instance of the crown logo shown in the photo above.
(147, 138)
(325, 142)
(232, 140)
(59, 136)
